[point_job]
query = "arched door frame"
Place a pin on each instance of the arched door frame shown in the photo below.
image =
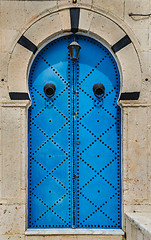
(109, 31)
(21, 58)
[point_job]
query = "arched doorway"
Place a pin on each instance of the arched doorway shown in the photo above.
(74, 138)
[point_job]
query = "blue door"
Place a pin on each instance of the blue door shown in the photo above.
(74, 166)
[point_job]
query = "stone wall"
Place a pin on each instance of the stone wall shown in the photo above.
(138, 225)
(104, 19)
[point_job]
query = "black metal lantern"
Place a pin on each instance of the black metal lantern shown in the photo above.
(74, 49)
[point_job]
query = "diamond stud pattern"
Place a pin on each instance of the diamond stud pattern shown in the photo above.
(74, 139)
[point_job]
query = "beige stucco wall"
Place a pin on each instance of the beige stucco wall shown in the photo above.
(104, 19)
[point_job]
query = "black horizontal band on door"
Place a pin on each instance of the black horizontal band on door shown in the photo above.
(19, 96)
(74, 19)
(25, 42)
(130, 96)
(123, 42)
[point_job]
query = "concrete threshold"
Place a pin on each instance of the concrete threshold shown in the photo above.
(111, 232)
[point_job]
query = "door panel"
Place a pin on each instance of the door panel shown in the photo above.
(98, 132)
(49, 121)
(74, 142)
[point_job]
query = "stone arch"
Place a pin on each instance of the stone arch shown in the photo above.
(93, 23)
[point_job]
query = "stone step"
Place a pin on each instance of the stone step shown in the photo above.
(76, 237)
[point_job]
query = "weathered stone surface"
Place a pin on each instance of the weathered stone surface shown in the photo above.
(107, 29)
(66, 4)
(150, 35)
(139, 7)
(145, 65)
(149, 153)
(51, 22)
(36, 8)
(149, 64)
(4, 65)
(8, 39)
(128, 230)
(117, 6)
(131, 71)
(133, 232)
(139, 235)
(18, 69)
(3, 74)
(85, 19)
(65, 20)
(87, 3)
(12, 220)
(138, 225)
(11, 161)
(75, 237)
(24, 150)
(10, 237)
(13, 14)
(137, 154)
(142, 36)
(137, 208)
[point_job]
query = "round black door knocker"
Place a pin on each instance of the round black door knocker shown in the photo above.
(99, 90)
(49, 90)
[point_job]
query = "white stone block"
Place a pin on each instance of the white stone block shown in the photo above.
(85, 19)
(65, 20)
(74, 237)
(18, 69)
(24, 149)
(4, 66)
(4, 59)
(12, 220)
(38, 32)
(106, 29)
(11, 153)
(130, 69)
(145, 64)
(137, 154)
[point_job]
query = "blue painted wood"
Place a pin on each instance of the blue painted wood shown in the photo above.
(98, 131)
(74, 142)
(49, 139)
